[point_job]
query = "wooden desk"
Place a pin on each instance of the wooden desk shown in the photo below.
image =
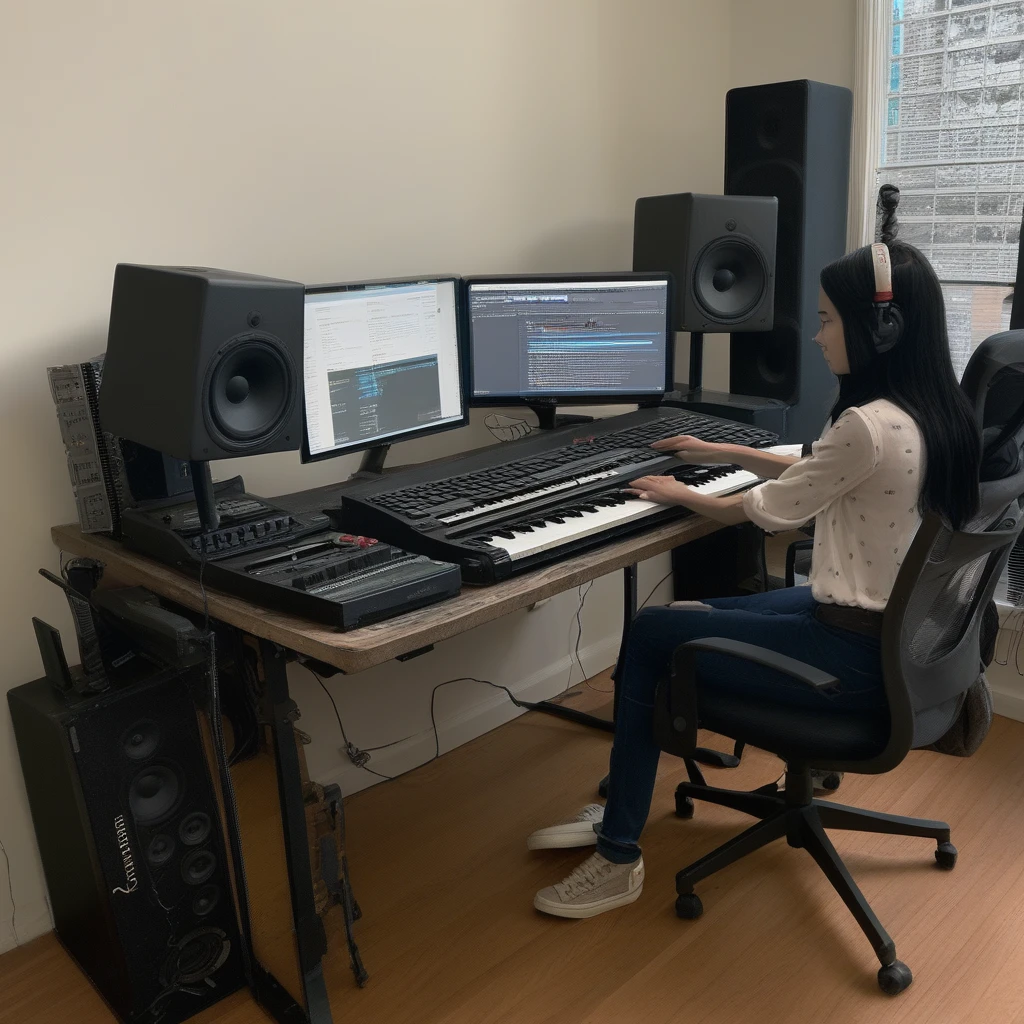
(373, 645)
(300, 994)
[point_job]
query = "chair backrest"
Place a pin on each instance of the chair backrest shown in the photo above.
(994, 385)
(931, 632)
(931, 646)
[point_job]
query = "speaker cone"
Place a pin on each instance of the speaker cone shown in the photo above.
(141, 740)
(206, 900)
(730, 276)
(198, 866)
(194, 828)
(195, 957)
(154, 794)
(160, 850)
(250, 392)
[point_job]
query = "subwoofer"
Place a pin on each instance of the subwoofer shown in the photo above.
(791, 140)
(130, 839)
(721, 253)
(203, 364)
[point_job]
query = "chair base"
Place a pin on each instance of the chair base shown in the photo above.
(801, 819)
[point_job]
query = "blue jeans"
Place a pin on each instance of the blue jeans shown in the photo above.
(782, 620)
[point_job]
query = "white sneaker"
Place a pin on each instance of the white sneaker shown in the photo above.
(595, 886)
(575, 831)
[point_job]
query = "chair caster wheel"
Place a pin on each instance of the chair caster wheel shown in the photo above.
(894, 978)
(602, 788)
(945, 856)
(689, 907)
(684, 807)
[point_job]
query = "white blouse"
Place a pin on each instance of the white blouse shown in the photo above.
(862, 484)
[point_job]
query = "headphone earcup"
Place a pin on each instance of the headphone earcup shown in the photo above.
(888, 327)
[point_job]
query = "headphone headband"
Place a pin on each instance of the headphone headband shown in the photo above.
(883, 272)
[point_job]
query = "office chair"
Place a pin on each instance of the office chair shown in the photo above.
(930, 657)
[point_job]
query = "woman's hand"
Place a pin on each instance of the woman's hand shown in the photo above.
(694, 450)
(664, 490)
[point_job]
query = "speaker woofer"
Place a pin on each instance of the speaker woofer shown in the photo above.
(198, 866)
(250, 392)
(160, 850)
(195, 957)
(206, 900)
(154, 794)
(730, 276)
(194, 828)
(141, 740)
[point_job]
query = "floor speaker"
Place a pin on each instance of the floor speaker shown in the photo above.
(203, 364)
(721, 253)
(130, 839)
(791, 140)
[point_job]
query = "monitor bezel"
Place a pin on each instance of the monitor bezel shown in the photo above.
(350, 448)
(644, 398)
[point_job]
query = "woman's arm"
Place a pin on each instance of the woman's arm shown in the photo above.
(665, 490)
(691, 449)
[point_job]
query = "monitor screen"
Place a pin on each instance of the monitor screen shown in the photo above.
(381, 364)
(587, 337)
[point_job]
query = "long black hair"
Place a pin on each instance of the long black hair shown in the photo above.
(917, 373)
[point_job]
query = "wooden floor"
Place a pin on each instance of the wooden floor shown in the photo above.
(449, 935)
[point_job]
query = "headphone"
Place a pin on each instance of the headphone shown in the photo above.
(888, 318)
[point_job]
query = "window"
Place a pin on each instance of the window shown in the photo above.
(953, 143)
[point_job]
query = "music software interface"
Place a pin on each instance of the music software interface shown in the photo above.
(379, 361)
(555, 339)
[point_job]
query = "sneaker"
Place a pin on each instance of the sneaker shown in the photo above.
(595, 886)
(575, 831)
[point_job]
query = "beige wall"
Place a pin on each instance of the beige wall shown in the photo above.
(784, 40)
(320, 141)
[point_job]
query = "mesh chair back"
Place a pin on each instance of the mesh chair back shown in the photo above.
(931, 647)
(994, 384)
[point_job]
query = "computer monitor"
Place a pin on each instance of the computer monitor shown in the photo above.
(381, 364)
(553, 339)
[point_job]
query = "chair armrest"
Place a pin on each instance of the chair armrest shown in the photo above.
(797, 545)
(675, 701)
(798, 670)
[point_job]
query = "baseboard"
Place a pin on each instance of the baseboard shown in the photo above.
(475, 720)
(1005, 678)
(1007, 692)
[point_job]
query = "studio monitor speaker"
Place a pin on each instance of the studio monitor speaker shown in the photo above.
(721, 253)
(130, 839)
(791, 140)
(203, 364)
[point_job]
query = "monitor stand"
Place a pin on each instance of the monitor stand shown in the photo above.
(371, 465)
(548, 417)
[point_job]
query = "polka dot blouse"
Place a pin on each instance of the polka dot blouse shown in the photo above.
(862, 486)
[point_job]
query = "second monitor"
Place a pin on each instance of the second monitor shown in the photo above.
(381, 364)
(582, 338)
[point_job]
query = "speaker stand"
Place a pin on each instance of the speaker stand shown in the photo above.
(696, 360)
(548, 417)
(206, 501)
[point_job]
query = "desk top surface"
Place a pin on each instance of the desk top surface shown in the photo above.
(363, 648)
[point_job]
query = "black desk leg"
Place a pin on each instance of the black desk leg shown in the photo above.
(628, 612)
(310, 939)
